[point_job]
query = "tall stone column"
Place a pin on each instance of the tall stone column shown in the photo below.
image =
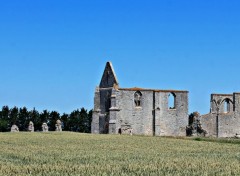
(96, 113)
(113, 114)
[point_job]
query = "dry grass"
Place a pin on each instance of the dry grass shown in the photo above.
(85, 154)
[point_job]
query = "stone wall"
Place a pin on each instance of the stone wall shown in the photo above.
(96, 112)
(153, 117)
(130, 116)
(219, 122)
(171, 122)
(228, 125)
(208, 122)
(102, 104)
(147, 111)
(138, 111)
(102, 101)
(217, 102)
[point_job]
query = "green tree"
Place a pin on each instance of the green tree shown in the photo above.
(53, 117)
(23, 119)
(83, 121)
(44, 116)
(4, 119)
(35, 118)
(13, 115)
(74, 121)
(78, 120)
(89, 123)
(65, 122)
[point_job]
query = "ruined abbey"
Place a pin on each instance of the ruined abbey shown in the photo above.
(224, 117)
(159, 112)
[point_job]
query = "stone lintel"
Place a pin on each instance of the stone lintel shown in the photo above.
(114, 109)
(112, 122)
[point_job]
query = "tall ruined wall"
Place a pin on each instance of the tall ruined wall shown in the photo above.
(171, 122)
(153, 117)
(102, 104)
(219, 122)
(229, 122)
(209, 124)
(228, 125)
(138, 118)
(236, 99)
(102, 100)
(142, 111)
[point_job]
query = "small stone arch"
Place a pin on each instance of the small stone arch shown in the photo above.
(171, 100)
(138, 99)
(227, 104)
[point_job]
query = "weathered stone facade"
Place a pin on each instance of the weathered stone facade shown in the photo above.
(136, 110)
(224, 117)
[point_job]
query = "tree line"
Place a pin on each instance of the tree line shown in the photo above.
(78, 121)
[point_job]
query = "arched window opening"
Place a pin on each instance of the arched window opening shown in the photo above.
(171, 101)
(138, 99)
(227, 106)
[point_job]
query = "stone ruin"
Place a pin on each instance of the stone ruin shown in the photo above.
(126, 129)
(195, 127)
(223, 120)
(58, 125)
(137, 110)
(31, 127)
(14, 128)
(160, 112)
(44, 127)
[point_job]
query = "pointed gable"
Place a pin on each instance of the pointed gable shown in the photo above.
(109, 78)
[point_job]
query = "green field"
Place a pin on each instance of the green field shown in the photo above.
(86, 154)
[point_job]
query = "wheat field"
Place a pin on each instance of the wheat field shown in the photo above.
(86, 154)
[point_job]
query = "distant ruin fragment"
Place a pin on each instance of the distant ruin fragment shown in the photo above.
(58, 126)
(31, 127)
(44, 127)
(14, 128)
(195, 127)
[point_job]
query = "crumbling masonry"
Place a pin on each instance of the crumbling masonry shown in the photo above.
(159, 112)
(137, 110)
(224, 117)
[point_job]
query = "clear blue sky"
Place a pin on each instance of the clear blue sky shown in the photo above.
(53, 52)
